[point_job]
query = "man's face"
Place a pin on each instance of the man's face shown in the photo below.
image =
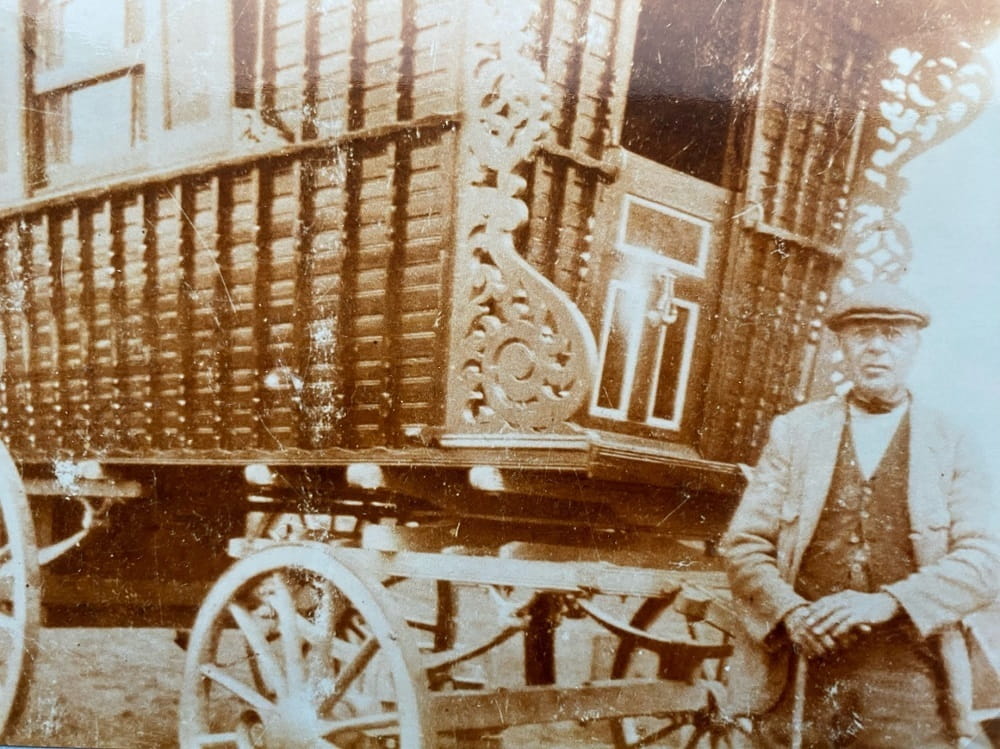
(879, 355)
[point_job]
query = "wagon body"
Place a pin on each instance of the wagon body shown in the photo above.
(523, 278)
(310, 282)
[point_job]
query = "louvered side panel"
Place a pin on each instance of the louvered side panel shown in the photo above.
(137, 350)
(17, 405)
(44, 363)
(275, 303)
(205, 332)
(436, 56)
(322, 397)
(292, 53)
(368, 344)
(766, 333)
(168, 385)
(813, 92)
(590, 131)
(96, 233)
(74, 333)
(383, 39)
(332, 66)
(424, 225)
(241, 269)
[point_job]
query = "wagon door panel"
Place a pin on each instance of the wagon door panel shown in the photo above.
(655, 300)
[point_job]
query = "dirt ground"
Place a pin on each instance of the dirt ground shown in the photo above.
(118, 688)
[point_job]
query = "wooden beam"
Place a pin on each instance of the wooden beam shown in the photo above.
(111, 488)
(599, 700)
(532, 574)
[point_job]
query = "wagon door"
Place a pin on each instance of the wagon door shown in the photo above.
(656, 296)
(661, 225)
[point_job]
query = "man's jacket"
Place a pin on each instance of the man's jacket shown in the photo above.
(953, 514)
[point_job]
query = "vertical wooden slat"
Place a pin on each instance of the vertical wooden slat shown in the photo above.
(185, 312)
(8, 398)
(133, 367)
(333, 24)
(303, 303)
(152, 405)
(323, 386)
(45, 345)
(348, 287)
(245, 406)
(751, 325)
(383, 41)
(205, 328)
(57, 305)
(21, 342)
(170, 396)
(74, 383)
(224, 403)
(90, 324)
(358, 63)
(118, 329)
(262, 289)
(311, 76)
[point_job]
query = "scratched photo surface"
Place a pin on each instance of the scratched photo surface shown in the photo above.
(387, 373)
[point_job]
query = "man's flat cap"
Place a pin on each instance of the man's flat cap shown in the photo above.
(879, 302)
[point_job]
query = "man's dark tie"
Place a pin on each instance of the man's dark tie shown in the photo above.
(874, 404)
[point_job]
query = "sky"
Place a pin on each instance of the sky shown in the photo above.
(952, 211)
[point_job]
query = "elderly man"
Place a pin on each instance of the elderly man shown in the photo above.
(867, 533)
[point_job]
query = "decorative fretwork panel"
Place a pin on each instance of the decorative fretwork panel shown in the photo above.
(521, 353)
(925, 97)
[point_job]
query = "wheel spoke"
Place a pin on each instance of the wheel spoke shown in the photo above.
(349, 673)
(270, 670)
(291, 640)
(695, 738)
(656, 735)
(330, 728)
(257, 701)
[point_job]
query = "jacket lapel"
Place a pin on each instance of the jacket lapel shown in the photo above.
(820, 459)
(928, 509)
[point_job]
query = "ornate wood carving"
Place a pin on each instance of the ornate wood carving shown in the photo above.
(522, 354)
(927, 98)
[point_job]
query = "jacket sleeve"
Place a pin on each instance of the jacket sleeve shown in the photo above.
(966, 576)
(751, 545)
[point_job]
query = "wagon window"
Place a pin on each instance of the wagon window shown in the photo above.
(116, 85)
(681, 97)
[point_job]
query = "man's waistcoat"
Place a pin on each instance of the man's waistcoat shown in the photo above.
(862, 539)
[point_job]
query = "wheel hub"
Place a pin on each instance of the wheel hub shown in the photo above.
(292, 724)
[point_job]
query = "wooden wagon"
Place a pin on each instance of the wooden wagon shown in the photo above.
(395, 300)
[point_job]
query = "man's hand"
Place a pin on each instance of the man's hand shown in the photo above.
(804, 639)
(848, 611)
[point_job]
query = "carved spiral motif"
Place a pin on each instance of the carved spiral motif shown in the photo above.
(525, 352)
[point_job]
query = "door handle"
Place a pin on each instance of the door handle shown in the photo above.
(664, 311)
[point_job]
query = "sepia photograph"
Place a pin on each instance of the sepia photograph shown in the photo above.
(500, 374)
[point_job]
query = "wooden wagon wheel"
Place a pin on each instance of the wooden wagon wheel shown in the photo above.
(20, 592)
(336, 663)
(706, 727)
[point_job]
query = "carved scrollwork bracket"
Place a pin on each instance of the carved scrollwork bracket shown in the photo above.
(522, 354)
(926, 98)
